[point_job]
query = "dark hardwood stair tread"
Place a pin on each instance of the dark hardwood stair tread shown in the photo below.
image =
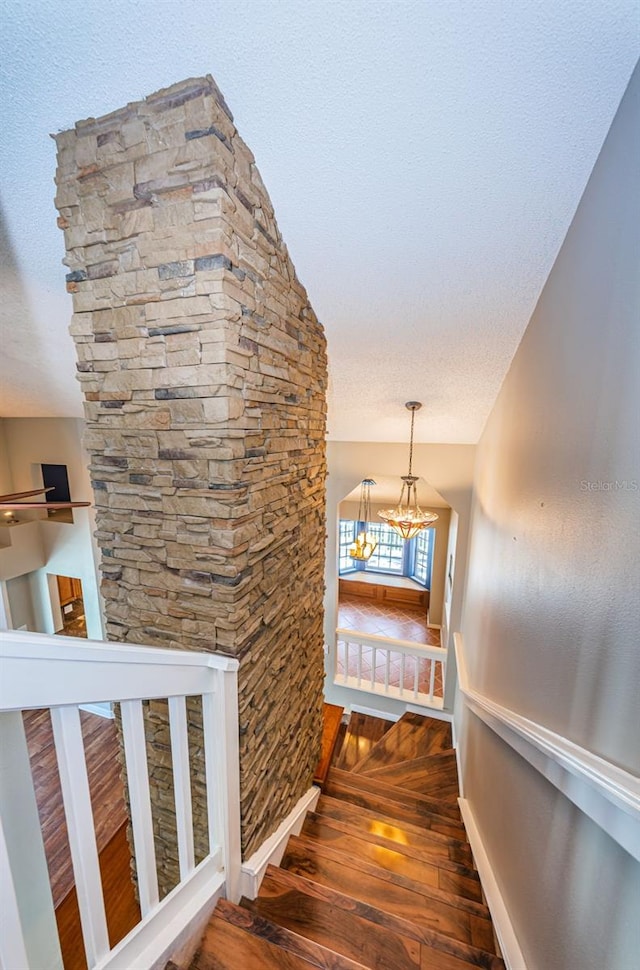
(389, 802)
(445, 875)
(340, 927)
(352, 877)
(251, 937)
(413, 735)
(431, 775)
(363, 933)
(303, 843)
(427, 761)
(225, 947)
(424, 843)
(377, 786)
(475, 956)
(362, 733)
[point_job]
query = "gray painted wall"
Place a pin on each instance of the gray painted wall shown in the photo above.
(551, 613)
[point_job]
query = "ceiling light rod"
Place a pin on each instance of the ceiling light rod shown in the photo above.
(365, 543)
(407, 518)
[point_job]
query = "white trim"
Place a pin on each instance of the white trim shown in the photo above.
(154, 937)
(433, 626)
(272, 849)
(101, 710)
(436, 713)
(72, 671)
(423, 702)
(609, 795)
(373, 712)
(409, 647)
(509, 946)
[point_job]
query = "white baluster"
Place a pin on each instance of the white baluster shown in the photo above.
(13, 951)
(374, 650)
(74, 782)
(222, 769)
(416, 676)
(359, 664)
(140, 801)
(386, 671)
(403, 660)
(345, 672)
(432, 680)
(182, 783)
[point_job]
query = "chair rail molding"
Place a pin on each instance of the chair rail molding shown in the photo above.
(607, 794)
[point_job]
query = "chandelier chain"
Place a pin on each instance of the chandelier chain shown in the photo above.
(413, 417)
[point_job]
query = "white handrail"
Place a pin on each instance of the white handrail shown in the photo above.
(62, 673)
(95, 672)
(409, 647)
(387, 647)
(616, 807)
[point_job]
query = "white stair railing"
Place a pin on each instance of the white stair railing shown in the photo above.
(61, 673)
(400, 669)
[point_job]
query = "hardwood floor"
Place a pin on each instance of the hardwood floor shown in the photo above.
(105, 785)
(121, 905)
(395, 622)
(110, 819)
(381, 875)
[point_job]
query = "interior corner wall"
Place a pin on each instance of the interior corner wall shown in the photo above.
(203, 369)
(551, 620)
(68, 548)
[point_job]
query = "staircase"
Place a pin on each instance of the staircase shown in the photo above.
(381, 876)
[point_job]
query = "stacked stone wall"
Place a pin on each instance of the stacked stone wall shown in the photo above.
(203, 369)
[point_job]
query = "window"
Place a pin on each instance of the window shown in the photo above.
(392, 554)
(348, 531)
(423, 557)
(388, 556)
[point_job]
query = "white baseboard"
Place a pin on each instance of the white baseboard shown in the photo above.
(102, 710)
(272, 849)
(373, 712)
(434, 712)
(509, 946)
(433, 626)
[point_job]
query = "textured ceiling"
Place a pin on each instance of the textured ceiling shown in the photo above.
(424, 159)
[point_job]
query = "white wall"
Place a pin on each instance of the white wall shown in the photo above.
(448, 468)
(69, 549)
(551, 615)
(20, 598)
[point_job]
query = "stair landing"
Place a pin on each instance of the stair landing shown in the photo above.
(381, 876)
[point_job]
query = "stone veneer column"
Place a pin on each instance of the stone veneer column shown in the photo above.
(203, 369)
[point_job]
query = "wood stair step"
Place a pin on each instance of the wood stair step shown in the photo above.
(410, 737)
(389, 855)
(238, 939)
(362, 733)
(362, 932)
(423, 843)
(459, 918)
(433, 775)
(376, 785)
(363, 863)
(407, 806)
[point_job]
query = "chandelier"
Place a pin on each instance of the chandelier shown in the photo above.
(407, 518)
(366, 542)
